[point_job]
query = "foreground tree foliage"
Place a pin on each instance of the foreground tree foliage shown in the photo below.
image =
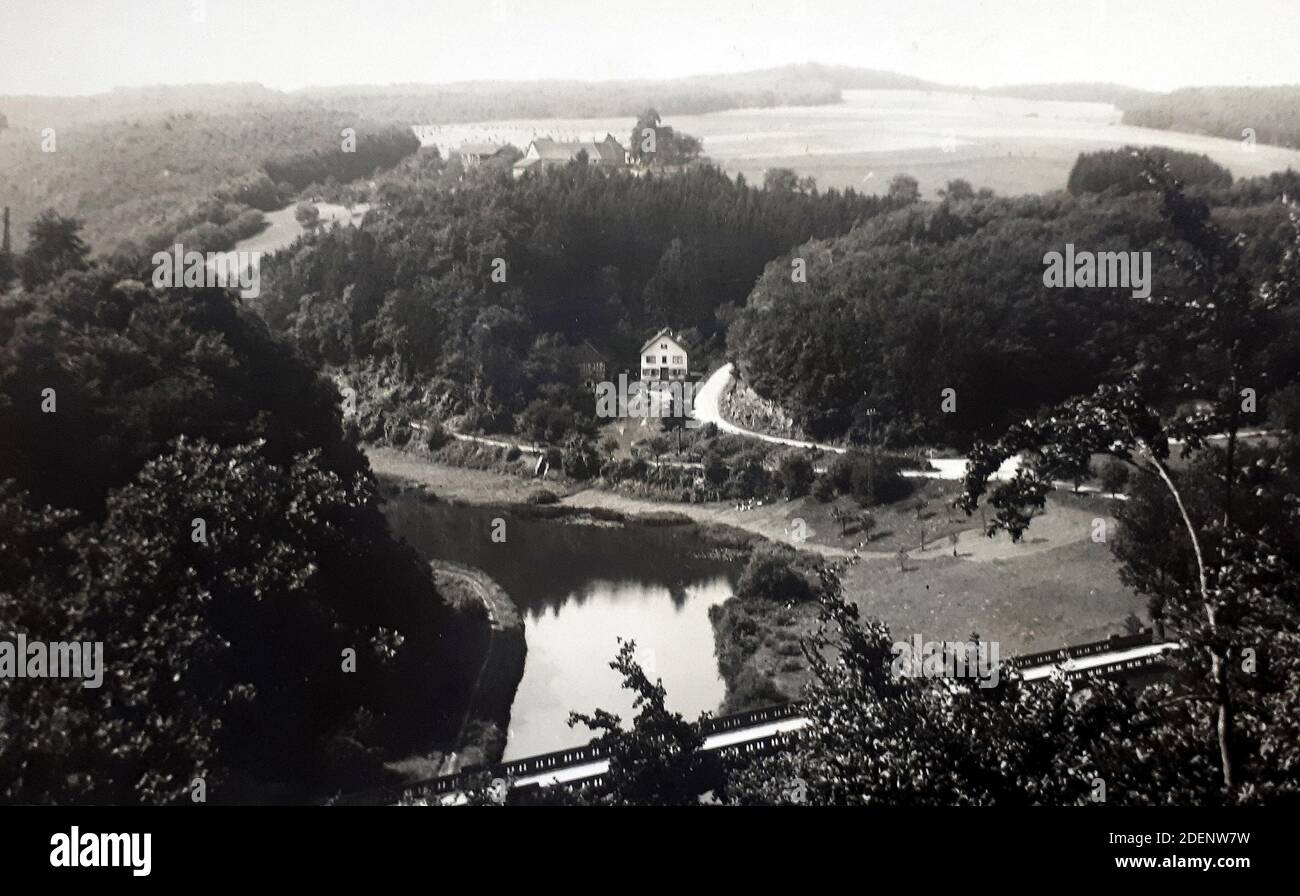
(877, 739)
(1230, 591)
(190, 502)
(131, 368)
(660, 760)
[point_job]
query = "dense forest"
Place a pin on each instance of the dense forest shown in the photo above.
(952, 296)
(583, 255)
(1272, 113)
(178, 487)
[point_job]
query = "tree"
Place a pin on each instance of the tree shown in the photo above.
(580, 458)
(195, 563)
(957, 190)
(661, 760)
(1114, 476)
(1238, 578)
(307, 214)
(777, 573)
(797, 473)
(866, 522)
(54, 247)
(842, 517)
(877, 738)
(904, 187)
(781, 180)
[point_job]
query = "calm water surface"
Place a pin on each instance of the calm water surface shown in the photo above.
(581, 586)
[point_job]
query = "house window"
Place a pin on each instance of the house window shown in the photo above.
(677, 359)
(663, 345)
(649, 359)
(663, 360)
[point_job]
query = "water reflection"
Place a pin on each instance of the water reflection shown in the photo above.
(581, 585)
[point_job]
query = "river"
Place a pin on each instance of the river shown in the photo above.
(580, 586)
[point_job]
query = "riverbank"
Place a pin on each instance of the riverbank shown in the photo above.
(772, 521)
(1056, 586)
(483, 729)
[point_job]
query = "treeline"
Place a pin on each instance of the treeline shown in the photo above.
(370, 153)
(1272, 113)
(578, 254)
(951, 296)
(498, 100)
(178, 488)
(1121, 170)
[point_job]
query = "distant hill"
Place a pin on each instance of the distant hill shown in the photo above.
(1272, 112)
(131, 161)
(487, 100)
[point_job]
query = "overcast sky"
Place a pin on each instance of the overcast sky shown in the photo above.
(87, 46)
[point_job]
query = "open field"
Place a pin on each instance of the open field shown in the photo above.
(1010, 145)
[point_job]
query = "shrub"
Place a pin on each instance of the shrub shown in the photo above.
(797, 474)
(823, 489)
(748, 479)
(1114, 476)
(436, 437)
(775, 573)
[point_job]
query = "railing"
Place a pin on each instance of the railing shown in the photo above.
(531, 765)
(1076, 651)
(560, 759)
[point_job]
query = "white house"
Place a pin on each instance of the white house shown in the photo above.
(663, 358)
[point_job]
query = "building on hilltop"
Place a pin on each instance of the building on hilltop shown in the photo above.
(545, 152)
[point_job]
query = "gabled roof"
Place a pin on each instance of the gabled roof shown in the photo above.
(660, 335)
(586, 353)
(480, 149)
(608, 151)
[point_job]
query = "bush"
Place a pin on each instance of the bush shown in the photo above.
(1114, 476)
(580, 460)
(751, 689)
(776, 573)
(823, 489)
(513, 453)
(797, 474)
(869, 480)
(543, 496)
(436, 437)
(748, 479)
(715, 468)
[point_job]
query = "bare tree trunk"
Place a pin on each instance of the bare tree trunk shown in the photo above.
(1218, 665)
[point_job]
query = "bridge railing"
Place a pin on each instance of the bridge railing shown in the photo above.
(518, 768)
(1076, 651)
(1121, 666)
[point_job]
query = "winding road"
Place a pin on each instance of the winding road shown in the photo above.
(708, 409)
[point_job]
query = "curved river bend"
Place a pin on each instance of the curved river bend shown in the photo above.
(580, 586)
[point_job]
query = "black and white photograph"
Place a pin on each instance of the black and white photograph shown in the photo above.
(824, 413)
